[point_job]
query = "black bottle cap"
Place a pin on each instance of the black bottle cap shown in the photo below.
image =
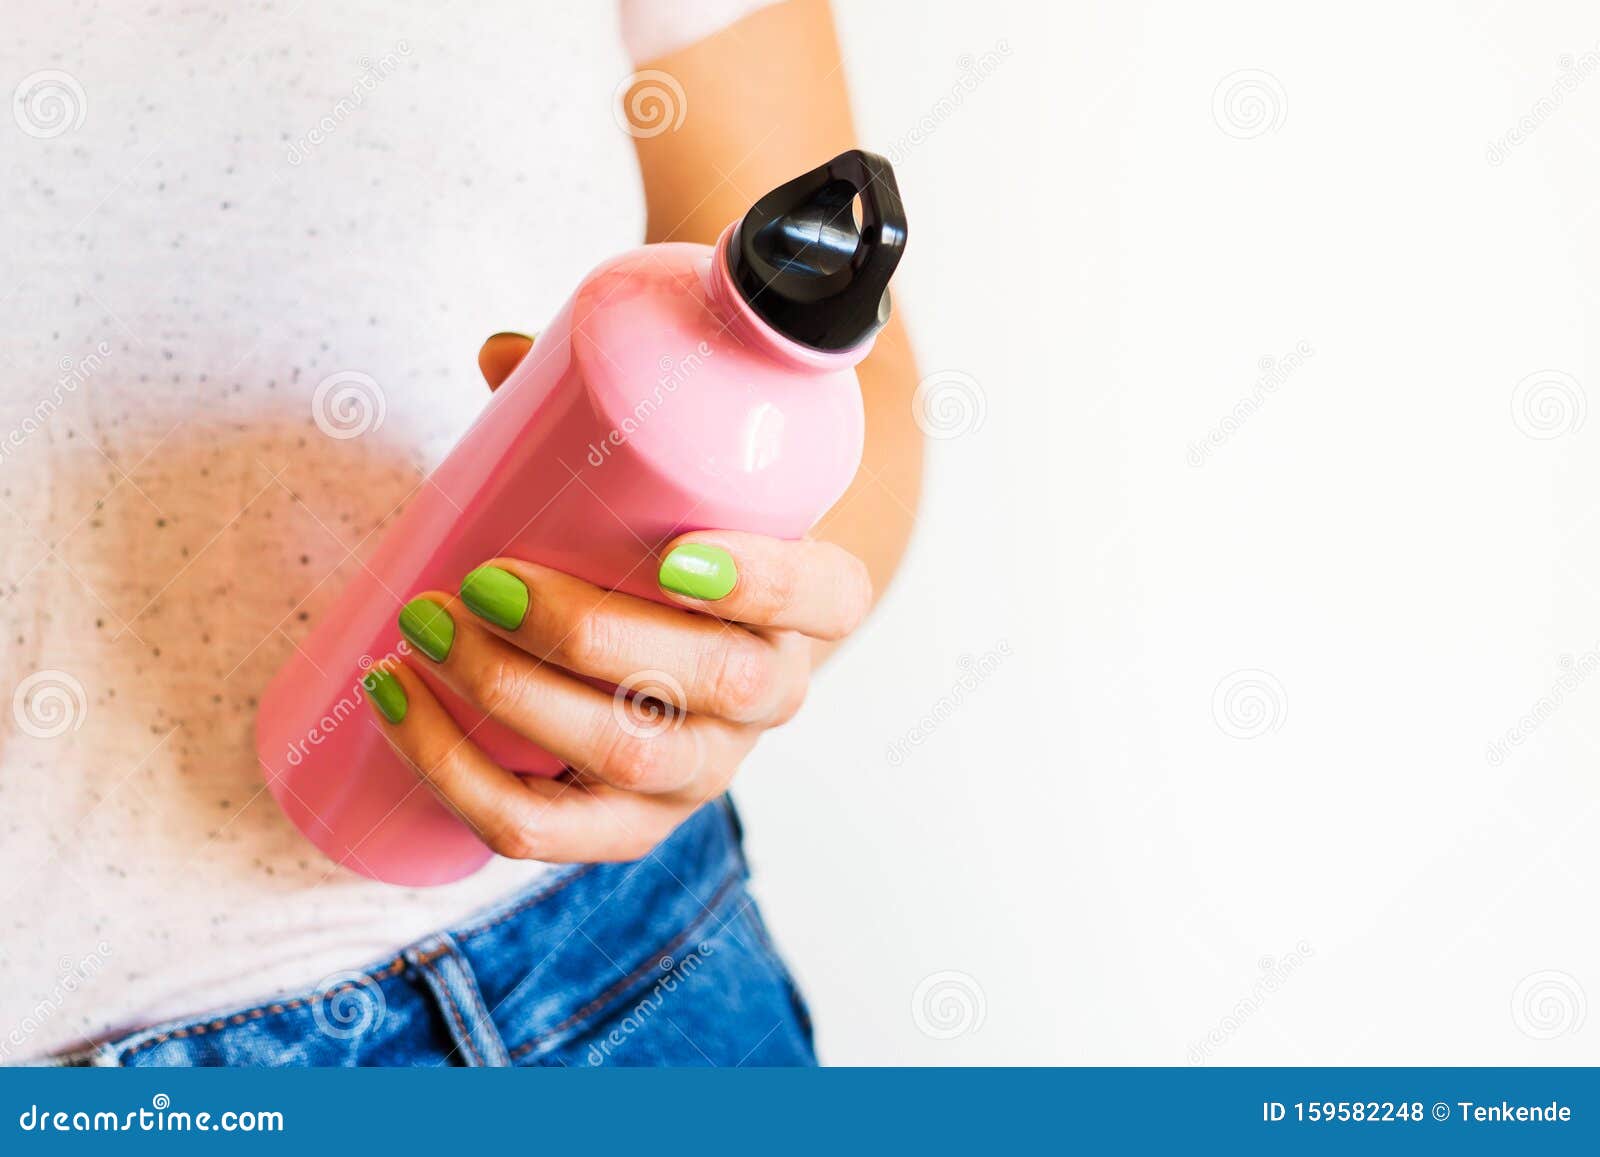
(799, 260)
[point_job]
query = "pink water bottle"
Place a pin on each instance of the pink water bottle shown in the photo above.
(681, 387)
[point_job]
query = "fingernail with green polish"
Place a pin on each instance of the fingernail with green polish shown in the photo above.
(386, 694)
(429, 628)
(496, 595)
(699, 571)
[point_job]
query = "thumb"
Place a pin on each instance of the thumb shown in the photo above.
(501, 354)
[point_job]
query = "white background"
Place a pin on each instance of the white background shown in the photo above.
(1110, 255)
(1095, 856)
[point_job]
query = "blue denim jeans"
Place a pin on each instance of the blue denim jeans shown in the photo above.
(664, 961)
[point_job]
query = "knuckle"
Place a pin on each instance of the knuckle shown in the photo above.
(584, 641)
(429, 757)
(637, 844)
(855, 597)
(436, 759)
(518, 838)
(742, 683)
(498, 684)
(631, 763)
(779, 589)
(434, 753)
(793, 694)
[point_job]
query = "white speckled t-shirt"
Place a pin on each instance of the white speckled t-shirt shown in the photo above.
(209, 208)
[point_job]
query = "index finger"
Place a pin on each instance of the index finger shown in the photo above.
(813, 587)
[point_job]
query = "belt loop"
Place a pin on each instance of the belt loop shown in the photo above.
(726, 800)
(444, 968)
(98, 1056)
(736, 823)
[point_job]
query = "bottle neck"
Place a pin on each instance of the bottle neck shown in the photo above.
(744, 324)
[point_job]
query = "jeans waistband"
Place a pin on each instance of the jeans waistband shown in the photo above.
(507, 986)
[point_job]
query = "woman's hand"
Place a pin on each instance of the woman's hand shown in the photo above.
(729, 660)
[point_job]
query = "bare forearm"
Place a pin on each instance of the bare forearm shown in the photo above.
(873, 520)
